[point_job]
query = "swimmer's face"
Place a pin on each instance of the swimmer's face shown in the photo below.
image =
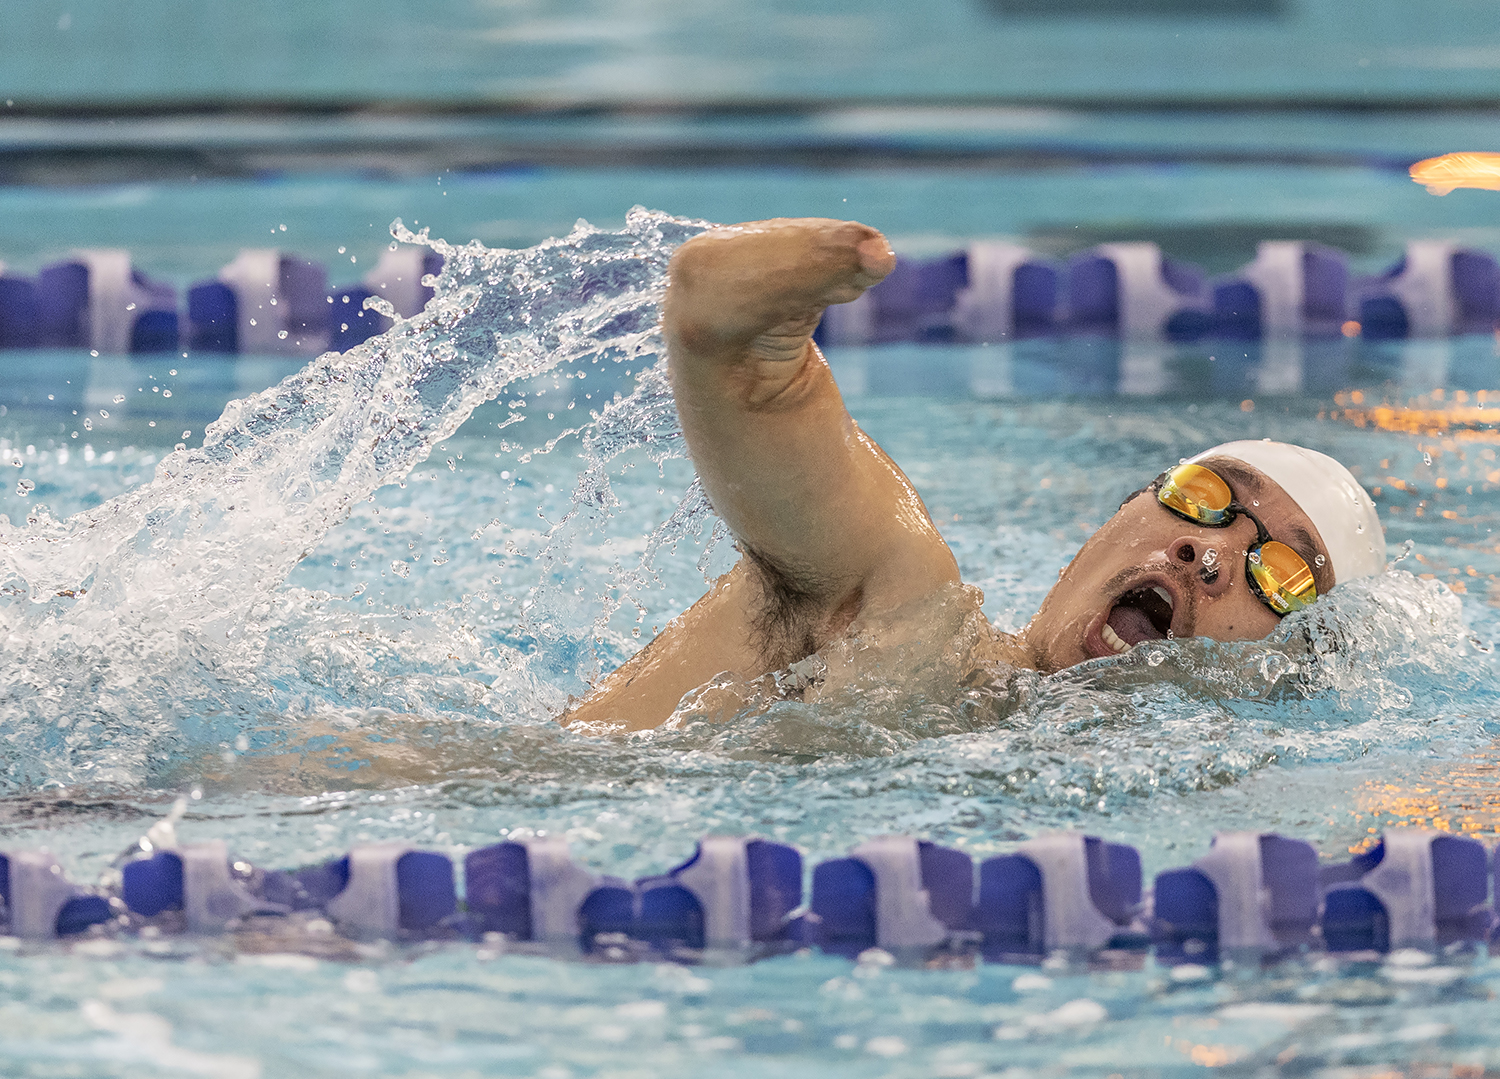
(1148, 575)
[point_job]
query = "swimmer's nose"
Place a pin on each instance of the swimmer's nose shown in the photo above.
(1211, 569)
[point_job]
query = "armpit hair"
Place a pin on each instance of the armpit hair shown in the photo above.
(793, 614)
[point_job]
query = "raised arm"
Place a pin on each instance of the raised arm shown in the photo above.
(810, 496)
(830, 530)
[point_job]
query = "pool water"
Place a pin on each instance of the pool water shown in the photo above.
(347, 609)
(1063, 192)
(587, 51)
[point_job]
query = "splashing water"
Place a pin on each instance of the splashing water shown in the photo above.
(137, 616)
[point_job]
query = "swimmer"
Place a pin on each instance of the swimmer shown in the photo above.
(834, 541)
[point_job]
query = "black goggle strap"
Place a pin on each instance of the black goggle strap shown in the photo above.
(1262, 536)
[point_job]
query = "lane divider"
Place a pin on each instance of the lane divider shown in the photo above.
(1293, 289)
(265, 302)
(272, 302)
(1252, 896)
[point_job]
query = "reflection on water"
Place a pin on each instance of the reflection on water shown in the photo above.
(1277, 369)
(1449, 172)
(1461, 795)
(1437, 412)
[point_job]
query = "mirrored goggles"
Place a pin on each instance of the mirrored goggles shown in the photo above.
(1278, 575)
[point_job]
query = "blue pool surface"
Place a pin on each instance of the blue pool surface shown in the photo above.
(587, 51)
(187, 230)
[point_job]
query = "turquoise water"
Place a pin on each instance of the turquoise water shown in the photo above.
(468, 51)
(185, 231)
(346, 610)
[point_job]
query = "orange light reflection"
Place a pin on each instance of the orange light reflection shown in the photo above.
(1461, 796)
(1207, 1056)
(1426, 414)
(1443, 174)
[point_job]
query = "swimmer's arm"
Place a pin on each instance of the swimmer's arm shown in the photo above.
(831, 527)
(800, 485)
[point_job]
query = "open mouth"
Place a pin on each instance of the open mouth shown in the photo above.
(1142, 614)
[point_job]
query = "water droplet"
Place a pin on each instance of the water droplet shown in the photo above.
(173, 371)
(103, 414)
(1211, 557)
(187, 434)
(1155, 659)
(282, 335)
(342, 250)
(166, 393)
(1320, 561)
(119, 399)
(1426, 458)
(24, 487)
(94, 352)
(401, 569)
(88, 424)
(282, 227)
(451, 466)
(1272, 666)
(253, 322)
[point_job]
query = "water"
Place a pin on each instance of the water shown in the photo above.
(1212, 214)
(347, 608)
(468, 51)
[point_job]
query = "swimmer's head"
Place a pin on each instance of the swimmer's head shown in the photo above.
(1340, 509)
(1163, 567)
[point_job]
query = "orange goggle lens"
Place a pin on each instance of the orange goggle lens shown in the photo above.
(1284, 579)
(1197, 494)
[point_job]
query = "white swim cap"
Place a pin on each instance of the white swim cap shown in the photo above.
(1338, 506)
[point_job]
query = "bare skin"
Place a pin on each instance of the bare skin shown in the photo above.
(833, 537)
